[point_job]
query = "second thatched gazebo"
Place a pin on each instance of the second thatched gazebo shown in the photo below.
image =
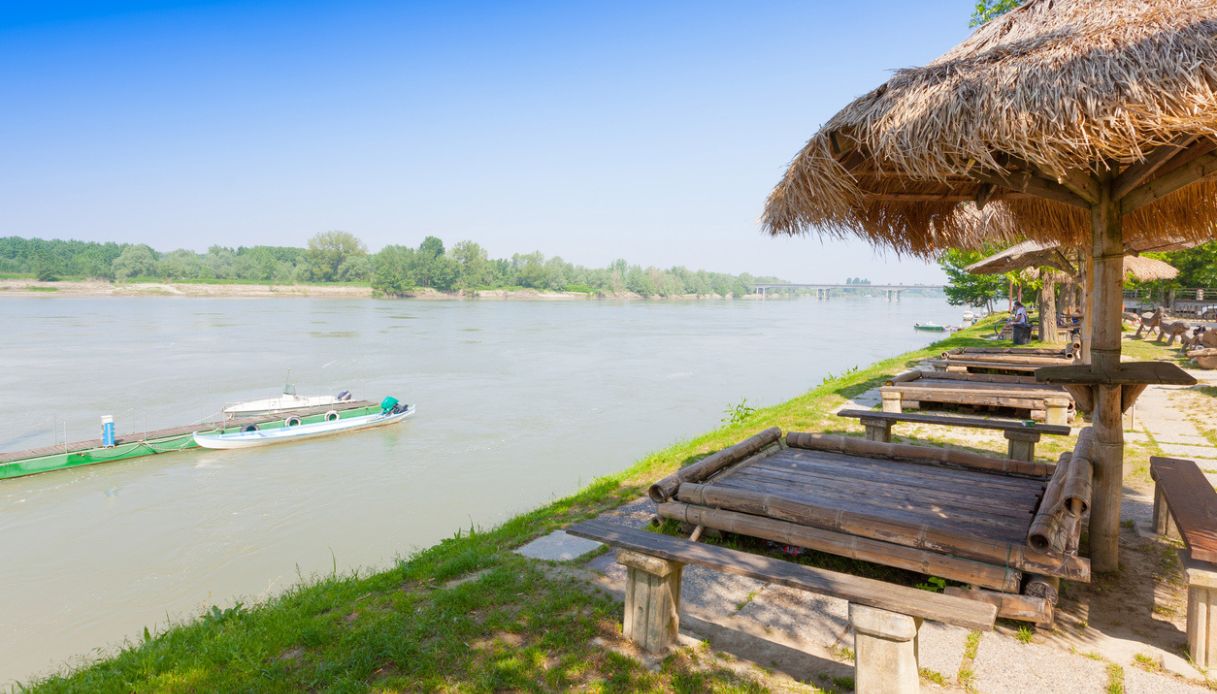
(1089, 123)
(1032, 255)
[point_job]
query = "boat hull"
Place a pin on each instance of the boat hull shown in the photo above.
(255, 439)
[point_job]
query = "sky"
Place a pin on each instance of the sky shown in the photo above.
(650, 131)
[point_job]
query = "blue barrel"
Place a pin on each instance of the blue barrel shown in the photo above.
(107, 431)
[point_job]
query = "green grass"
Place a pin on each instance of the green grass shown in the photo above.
(1024, 634)
(516, 625)
(1115, 679)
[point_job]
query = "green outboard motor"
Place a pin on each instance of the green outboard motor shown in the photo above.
(387, 405)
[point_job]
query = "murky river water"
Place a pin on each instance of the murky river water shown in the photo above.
(518, 403)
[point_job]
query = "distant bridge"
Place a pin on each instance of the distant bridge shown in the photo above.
(824, 290)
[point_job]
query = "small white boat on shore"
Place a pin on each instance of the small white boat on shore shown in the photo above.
(334, 424)
(288, 401)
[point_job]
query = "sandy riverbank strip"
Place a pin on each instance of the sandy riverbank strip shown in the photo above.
(32, 288)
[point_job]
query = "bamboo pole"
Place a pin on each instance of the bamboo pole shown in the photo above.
(931, 538)
(663, 489)
(852, 445)
(1107, 296)
(845, 545)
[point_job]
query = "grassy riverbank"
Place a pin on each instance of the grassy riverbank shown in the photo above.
(467, 613)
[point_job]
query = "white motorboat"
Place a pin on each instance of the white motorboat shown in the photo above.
(968, 316)
(333, 424)
(288, 401)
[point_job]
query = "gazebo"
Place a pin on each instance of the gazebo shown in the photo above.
(1089, 123)
(1032, 255)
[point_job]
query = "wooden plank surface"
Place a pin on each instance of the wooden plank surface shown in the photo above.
(7, 457)
(863, 591)
(976, 479)
(985, 364)
(1129, 373)
(898, 480)
(956, 421)
(1022, 390)
(1192, 503)
(967, 571)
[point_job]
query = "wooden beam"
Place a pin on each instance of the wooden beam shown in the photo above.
(984, 194)
(1080, 183)
(1201, 168)
(1137, 174)
(1029, 183)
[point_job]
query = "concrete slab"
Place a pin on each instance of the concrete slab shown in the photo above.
(1004, 664)
(941, 648)
(864, 401)
(636, 514)
(712, 593)
(1138, 681)
(1197, 452)
(558, 546)
(800, 617)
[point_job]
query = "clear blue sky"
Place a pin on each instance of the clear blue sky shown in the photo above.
(646, 130)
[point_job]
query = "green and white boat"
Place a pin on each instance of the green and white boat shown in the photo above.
(296, 430)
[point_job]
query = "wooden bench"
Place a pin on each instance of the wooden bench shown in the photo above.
(1185, 506)
(1021, 437)
(885, 617)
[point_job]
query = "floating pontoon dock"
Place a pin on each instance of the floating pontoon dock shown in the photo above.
(136, 445)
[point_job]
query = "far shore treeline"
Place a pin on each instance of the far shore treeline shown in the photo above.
(337, 256)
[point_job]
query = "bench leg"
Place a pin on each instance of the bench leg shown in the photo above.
(1056, 411)
(891, 402)
(885, 651)
(1163, 523)
(1021, 445)
(1201, 622)
(878, 430)
(1201, 611)
(652, 600)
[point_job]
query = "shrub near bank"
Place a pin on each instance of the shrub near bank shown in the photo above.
(467, 613)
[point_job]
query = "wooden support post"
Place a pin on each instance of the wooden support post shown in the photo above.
(1107, 296)
(1021, 444)
(878, 429)
(891, 401)
(1163, 523)
(1088, 310)
(885, 651)
(652, 600)
(1201, 611)
(1056, 411)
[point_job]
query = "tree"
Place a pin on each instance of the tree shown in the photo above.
(336, 256)
(135, 261)
(964, 288)
(472, 267)
(432, 268)
(987, 10)
(393, 271)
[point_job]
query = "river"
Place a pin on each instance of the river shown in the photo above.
(518, 403)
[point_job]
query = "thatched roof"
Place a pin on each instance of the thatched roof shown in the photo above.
(1019, 119)
(1148, 269)
(1027, 254)
(1036, 254)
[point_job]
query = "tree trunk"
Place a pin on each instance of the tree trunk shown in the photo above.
(1106, 293)
(1048, 330)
